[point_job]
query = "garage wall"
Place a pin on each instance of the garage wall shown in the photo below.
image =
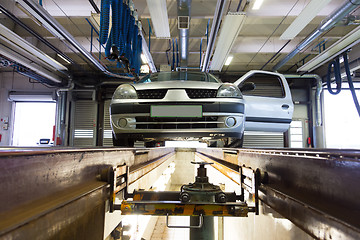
(12, 81)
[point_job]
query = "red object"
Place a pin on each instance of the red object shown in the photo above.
(0, 137)
(58, 141)
(309, 141)
(53, 137)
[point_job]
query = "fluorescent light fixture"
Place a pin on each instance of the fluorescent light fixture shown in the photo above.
(144, 59)
(13, 41)
(257, 4)
(18, 5)
(228, 60)
(159, 18)
(14, 56)
(64, 59)
(30, 96)
(343, 44)
(304, 18)
(229, 32)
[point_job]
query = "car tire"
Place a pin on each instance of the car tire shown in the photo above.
(123, 142)
(234, 142)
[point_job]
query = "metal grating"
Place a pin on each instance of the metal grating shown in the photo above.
(201, 93)
(84, 114)
(107, 134)
(151, 94)
(263, 140)
(176, 123)
(183, 22)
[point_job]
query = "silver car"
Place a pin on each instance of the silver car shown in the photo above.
(184, 106)
(176, 106)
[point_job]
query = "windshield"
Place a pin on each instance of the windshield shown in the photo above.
(179, 76)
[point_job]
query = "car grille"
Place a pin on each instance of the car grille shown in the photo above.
(151, 94)
(201, 93)
(176, 122)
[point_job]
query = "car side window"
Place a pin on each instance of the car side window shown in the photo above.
(266, 85)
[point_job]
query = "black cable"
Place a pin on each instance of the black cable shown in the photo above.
(93, 4)
(273, 32)
(167, 52)
(238, 7)
(278, 52)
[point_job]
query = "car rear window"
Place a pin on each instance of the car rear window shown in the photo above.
(179, 76)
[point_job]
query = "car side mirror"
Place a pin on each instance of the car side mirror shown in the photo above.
(249, 86)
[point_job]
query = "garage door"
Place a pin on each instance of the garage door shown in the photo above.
(107, 137)
(263, 140)
(83, 128)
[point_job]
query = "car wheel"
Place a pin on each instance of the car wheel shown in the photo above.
(123, 142)
(234, 142)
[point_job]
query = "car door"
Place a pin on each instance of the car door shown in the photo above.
(269, 106)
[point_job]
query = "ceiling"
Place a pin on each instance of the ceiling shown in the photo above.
(257, 43)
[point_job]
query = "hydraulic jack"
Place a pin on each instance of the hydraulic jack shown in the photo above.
(200, 200)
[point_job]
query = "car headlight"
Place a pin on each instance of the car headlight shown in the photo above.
(125, 91)
(229, 90)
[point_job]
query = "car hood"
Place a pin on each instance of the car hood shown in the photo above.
(176, 85)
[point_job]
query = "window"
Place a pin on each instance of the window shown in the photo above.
(266, 86)
(342, 122)
(296, 134)
(179, 76)
(33, 121)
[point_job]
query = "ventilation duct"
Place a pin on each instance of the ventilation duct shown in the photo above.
(330, 22)
(184, 8)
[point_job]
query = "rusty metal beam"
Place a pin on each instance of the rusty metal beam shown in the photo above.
(55, 192)
(315, 189)
(177, 208)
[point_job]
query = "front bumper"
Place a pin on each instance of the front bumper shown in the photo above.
(219, 120)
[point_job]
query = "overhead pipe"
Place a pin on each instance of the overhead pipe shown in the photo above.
(220, 6)
(319, 136)
(184, 9)
(68, 37)
(330, 22)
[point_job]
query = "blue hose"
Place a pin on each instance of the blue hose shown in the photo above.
(336, 64)
(115, 21)
(351, 84)
(135, 47)
(124, 34)
(139, 54)
(104, 20)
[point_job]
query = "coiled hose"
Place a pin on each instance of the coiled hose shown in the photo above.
(104, 21)
(337, 74)
(124, 37)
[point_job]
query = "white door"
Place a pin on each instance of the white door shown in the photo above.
(269, 106)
